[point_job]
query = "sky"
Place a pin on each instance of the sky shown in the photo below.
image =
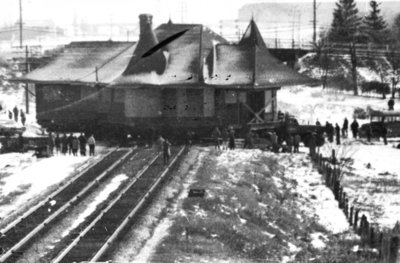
(127, 11)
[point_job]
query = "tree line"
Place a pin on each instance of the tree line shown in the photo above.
(349, 27)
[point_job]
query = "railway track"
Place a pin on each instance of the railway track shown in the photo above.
(24, 229)
(94, 241)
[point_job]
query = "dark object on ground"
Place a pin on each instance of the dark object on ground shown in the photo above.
(194, 192)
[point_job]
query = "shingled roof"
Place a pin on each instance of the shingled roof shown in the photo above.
(250, 64)
(197, 57)
(78, 62)
(185, 56)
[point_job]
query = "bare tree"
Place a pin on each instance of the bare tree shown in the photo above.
(393, 57)
(322, 50)
(353, 58)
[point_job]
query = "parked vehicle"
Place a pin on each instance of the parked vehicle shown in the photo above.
(289, 126)
(10, 127)
(379, 120)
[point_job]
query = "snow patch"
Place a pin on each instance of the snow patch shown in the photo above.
(103, 195)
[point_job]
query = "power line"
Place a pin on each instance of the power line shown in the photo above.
(20, 24)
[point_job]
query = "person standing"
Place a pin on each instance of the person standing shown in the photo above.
(57, 142)
(345, 128)
(369, 133)
(337, 130)
(64, 144)
(166, 151)
(70, 139)
(384, 133)
(391, 103)
(296, 143)
(329, 131)
(354, 128)
(75, 146)
(51, 143)
(15, 111)
(248, 142)
(312, 143)
(289, 143)
(23, 117)
(216, 134)
(82, 144)
(160, 144)
(10, 115)
(225, 136)
(92, 144)
(274, 142)
(189, 139)
(231, 136)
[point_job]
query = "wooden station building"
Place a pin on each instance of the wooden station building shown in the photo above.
(195, 81)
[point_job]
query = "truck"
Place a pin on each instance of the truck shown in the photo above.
(289, 126)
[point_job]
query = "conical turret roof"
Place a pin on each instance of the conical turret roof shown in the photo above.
(250, 63)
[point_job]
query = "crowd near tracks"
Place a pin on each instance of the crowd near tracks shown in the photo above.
(95, 240)
(22, 231)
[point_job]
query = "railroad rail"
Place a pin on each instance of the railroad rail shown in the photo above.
(22, 231)
(92, 243)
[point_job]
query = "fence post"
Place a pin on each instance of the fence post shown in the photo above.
(361, 228)
(372, 237)
(333, 157)
(351, 215)
(356, 219)
(379, 244)
(366, 229)
(394, 247)
(346, 207)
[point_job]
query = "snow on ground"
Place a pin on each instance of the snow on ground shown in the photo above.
(103, 195)
(283, 191)
(367, 74)
(372, 177)
(139, 244)
(318, 199)
(24, 177)
(318, 240)
(310, 104)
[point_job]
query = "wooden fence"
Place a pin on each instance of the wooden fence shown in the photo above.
(387, 243)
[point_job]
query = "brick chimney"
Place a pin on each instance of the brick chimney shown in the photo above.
(147, 38)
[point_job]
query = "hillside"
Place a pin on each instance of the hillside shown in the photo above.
(339, 70)
(282, 12)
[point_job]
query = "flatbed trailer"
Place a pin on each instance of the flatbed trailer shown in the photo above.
(289, 126)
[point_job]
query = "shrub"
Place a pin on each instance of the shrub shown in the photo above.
(375, 86)
(360, 113)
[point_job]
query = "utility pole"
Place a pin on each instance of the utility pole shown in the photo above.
(299, 30)
(20, 24)
(294, 12)
(315, 22)
(26, 83)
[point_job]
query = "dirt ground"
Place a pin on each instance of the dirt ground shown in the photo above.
(258, 207)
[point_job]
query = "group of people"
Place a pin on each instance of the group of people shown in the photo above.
(71, 144)
(224, 139)
(16, 114)
(337, 132)
(291, 143)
